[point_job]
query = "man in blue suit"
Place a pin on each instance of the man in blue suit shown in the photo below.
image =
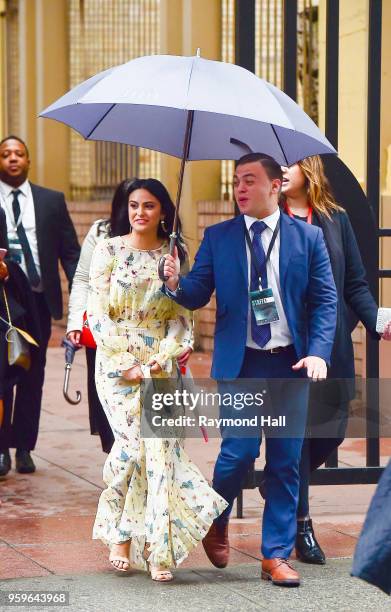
(263, 254)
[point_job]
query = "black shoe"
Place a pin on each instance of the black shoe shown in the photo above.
(24, 462)
(307, 548)
(5, 462)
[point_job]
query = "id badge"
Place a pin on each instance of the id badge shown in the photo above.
(15, 251)
(264, 306)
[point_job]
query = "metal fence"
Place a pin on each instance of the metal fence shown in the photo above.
(253, 34)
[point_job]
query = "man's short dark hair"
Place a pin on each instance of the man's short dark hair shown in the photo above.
(13, 137)
(272, 168)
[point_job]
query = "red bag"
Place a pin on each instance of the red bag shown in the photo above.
(86, 337)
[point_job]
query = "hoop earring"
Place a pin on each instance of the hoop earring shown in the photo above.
(164, 226)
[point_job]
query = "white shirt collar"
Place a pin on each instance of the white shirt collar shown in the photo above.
(270, 221)
(7, 189)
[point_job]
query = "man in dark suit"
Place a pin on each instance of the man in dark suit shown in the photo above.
(262, 250)
(40, 235)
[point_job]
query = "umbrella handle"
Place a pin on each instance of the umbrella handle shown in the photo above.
(65, 387)
(185, 156)
(162, 259)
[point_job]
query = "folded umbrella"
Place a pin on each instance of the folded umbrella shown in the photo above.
(70, 351)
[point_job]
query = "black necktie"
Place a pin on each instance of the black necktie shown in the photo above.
(24, 243)
(261, 334)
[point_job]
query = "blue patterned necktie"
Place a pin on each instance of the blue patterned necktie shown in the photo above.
(24, 243)
(261, 334)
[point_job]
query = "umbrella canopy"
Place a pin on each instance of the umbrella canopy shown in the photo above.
(146, 103)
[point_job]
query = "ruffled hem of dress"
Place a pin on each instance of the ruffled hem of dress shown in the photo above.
(185, 525)
(162, 553)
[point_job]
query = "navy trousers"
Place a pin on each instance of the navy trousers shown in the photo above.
(287, 393)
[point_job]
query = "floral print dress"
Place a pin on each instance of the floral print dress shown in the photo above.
(155, 494)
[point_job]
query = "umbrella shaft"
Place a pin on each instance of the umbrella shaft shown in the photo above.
(185, 155)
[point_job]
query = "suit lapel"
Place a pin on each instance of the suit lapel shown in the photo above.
(332, 236)
(39, 217)
(287, 242)
(237, 236)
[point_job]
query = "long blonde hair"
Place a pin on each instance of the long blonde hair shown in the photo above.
(318, 187)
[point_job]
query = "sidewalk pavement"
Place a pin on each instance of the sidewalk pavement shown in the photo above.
(206, 589)
(46, 520)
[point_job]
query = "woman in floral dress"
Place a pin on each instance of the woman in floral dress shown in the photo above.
(157, 506)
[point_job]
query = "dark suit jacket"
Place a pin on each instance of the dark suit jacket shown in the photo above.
(372, 557)
(57, 242)
(355, 301)
(307, 290)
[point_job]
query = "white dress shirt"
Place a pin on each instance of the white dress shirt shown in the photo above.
(27, 217)
(280, 333)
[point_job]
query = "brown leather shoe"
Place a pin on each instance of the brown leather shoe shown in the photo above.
(280, 572)
(216, 545)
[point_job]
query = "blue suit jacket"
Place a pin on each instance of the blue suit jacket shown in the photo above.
(307, 290)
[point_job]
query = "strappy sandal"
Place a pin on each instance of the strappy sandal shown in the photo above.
(158, 574)
(113, 558)
(123, 559)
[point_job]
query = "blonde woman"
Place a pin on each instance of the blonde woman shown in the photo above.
(306, 195)
(157, 506)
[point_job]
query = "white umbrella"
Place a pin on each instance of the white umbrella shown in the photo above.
(191, 108)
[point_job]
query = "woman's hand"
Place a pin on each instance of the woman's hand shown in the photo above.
(133, 375)
(3, 271)
(154, 366)
(184, 357)
(171, 270)
(74, 337)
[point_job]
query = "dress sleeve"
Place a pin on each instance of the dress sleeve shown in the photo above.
(179, 337)
(79, 293)
(105, 332)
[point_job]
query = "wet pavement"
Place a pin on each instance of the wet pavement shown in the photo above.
(235, 589)
(46, 518)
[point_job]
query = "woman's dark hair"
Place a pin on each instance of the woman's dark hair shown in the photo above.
(168, 209)
(119, 219)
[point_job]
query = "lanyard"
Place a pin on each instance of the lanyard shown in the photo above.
(254, 259)
(290, 213)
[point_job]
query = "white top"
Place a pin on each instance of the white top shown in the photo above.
(27, 217)
(79, 294)
(280, 334)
